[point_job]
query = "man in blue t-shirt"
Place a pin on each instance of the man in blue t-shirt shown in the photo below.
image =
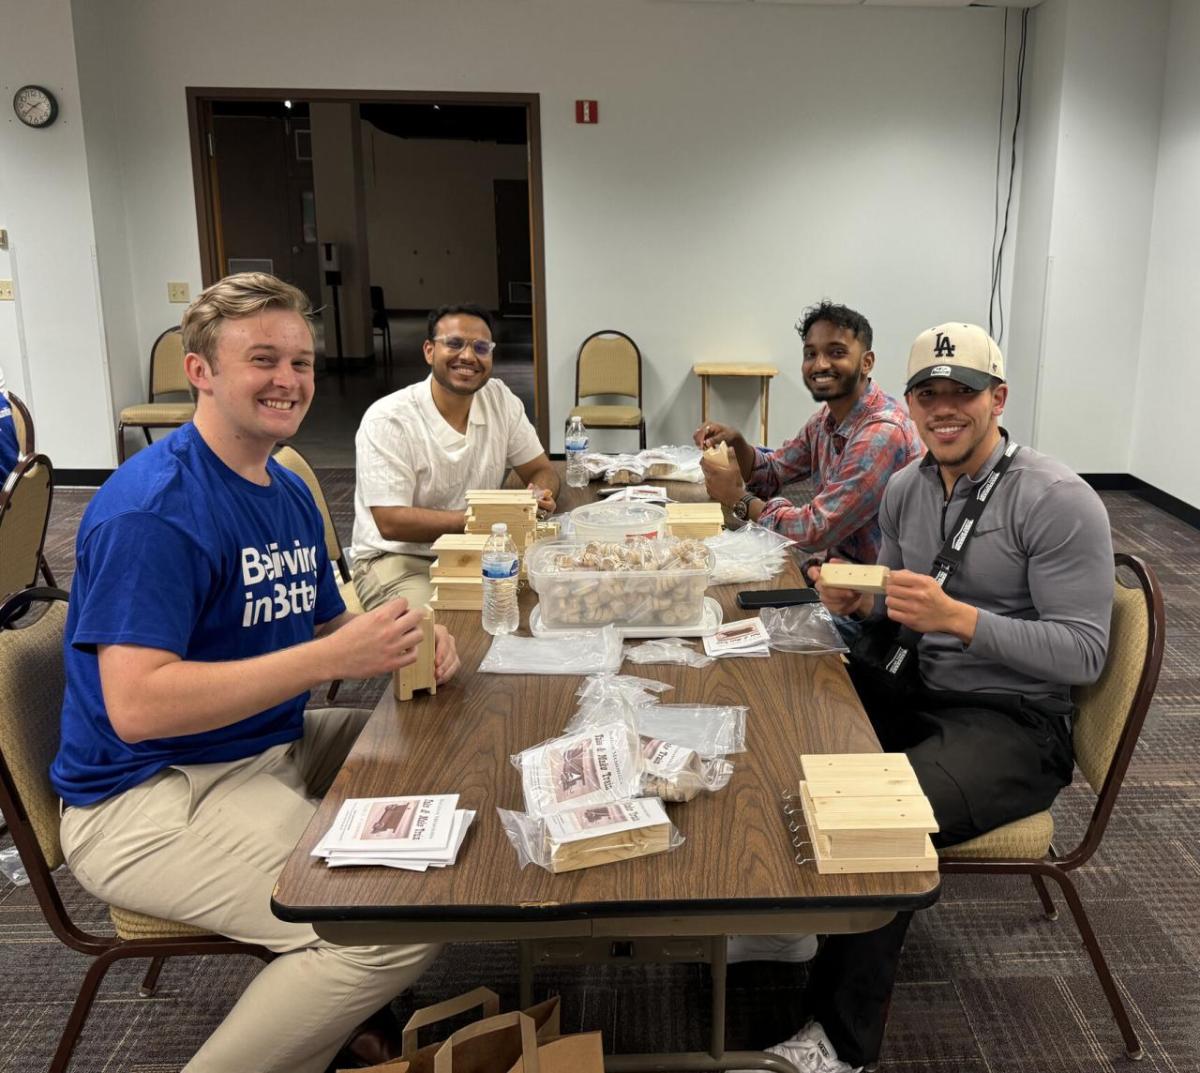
(203, 610)
(10, 450)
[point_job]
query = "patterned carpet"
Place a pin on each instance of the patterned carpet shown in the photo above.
(986, 984)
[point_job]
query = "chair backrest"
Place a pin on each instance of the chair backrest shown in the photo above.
(32, 682)
(166, 365)
(24, 516)
(23, 423)
(1113, 708)
(609, 363)
(290, 458)
(377, 304)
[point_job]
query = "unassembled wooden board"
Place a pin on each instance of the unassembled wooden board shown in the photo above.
(459, 542)
(605, 849)
(500, 495)
(419, 675)
(457, 564)
(453, 601)
(855, 576)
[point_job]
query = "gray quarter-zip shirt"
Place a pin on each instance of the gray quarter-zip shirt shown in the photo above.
(1038, 566)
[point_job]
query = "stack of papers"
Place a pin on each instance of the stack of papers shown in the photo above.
(414, 833)
(745, 637)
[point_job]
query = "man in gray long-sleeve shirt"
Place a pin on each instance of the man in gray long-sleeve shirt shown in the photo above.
(1025, 617)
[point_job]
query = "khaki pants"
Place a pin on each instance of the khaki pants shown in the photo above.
(203, 844)
(388, 576)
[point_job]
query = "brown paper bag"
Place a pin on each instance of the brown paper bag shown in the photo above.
(546, 1017)
(581, 1053)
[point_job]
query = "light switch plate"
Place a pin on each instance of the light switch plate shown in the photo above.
(6, 290)
(179, 292)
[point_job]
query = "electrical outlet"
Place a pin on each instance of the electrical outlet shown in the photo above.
(6, 291)
(179, 292)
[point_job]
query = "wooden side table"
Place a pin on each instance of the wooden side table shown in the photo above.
(764, 372)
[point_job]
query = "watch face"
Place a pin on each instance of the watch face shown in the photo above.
(35, 106)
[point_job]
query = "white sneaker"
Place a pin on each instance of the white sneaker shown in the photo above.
(771, 948)
(810, 1051)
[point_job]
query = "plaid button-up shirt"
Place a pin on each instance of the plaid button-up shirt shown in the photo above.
(849, 465)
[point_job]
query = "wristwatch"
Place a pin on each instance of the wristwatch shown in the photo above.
(741, 509)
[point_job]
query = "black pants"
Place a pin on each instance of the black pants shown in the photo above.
(983, 760)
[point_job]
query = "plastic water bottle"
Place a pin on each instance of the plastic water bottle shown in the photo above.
(501, 564)
(576, 446)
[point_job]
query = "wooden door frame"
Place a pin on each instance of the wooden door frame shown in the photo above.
(199, 110)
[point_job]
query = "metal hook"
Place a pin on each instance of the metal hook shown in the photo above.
(805, 860)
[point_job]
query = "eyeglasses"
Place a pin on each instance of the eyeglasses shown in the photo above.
(481, 348)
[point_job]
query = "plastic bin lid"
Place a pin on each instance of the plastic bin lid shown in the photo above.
(624, 515)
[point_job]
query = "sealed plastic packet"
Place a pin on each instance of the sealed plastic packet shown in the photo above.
(591, 835)
(709, 730)
(630, 687)
(667, 650)
(597, 765)
(568, 652)
(804, 628)
(677, 773)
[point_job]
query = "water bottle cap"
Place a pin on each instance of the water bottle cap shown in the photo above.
(498, 528)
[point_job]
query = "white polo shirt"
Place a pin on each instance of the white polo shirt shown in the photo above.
(407, 455)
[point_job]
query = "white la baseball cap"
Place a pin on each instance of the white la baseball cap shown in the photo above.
(961, 352)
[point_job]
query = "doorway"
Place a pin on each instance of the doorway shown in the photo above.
(429, 199)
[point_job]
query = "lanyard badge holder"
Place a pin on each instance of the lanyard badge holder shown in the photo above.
(902, 655)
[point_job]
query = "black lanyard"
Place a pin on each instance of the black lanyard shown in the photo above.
(950, 558)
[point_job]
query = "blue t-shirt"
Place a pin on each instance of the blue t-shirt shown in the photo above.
(9, 449)
(178, 552)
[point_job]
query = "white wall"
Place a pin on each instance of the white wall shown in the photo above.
(52, 344)
(1104, 192)
(1169, 375)
(749, 160)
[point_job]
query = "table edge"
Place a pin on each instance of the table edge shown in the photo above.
(308, 914)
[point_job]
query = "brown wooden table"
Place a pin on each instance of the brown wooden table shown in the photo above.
(735, 874)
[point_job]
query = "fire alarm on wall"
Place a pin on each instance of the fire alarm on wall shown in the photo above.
(587, 112)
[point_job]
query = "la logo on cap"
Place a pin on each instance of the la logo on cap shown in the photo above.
(943, 348)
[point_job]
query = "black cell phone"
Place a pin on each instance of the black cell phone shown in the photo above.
(753, 599)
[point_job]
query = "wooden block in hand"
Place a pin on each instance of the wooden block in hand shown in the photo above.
(419, 675)
(719, 454)
(855, 576)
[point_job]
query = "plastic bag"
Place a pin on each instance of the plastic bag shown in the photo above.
(625, 469)
(599, 764)
(12, 867)
(673, 463)
(805, 628)
(638, 691)
(612, 698)
(591, 835)
(677, 773)
(667, 650)
(751, 553)
(706, 729)
(568, 652)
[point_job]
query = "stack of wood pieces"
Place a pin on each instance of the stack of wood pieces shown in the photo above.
(457, 572)
(866, 812)
(515, 507)
(419, 675)
(694, 520)
(606, 849)
(855, 576)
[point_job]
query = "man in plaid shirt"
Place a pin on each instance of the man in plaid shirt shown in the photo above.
(849, 447)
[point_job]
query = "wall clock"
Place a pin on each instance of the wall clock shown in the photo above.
(35, 106)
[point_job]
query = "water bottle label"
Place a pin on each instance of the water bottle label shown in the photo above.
(501, 569)
(577, 445)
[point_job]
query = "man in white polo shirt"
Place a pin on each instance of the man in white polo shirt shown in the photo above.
(419, 449)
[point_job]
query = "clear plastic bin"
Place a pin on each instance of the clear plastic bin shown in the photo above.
(668, 591)
(619, 521)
